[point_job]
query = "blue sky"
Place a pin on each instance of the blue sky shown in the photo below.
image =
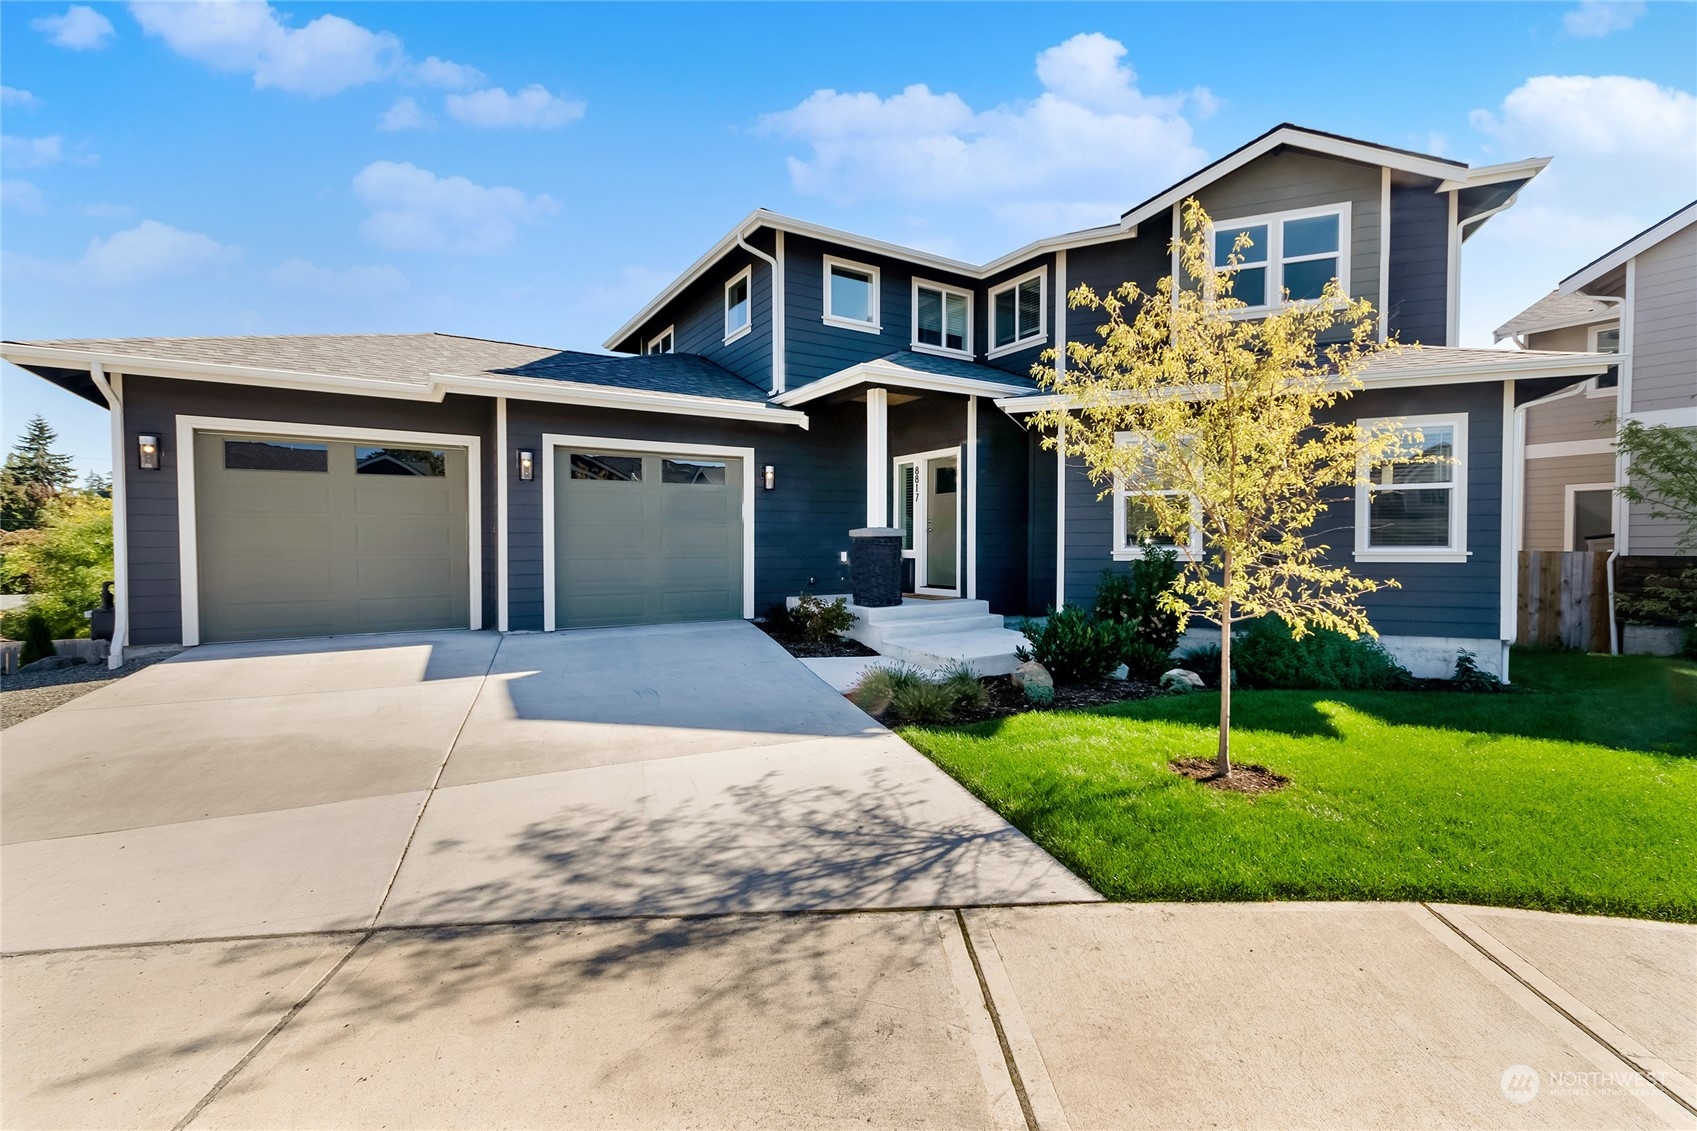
(534, 172)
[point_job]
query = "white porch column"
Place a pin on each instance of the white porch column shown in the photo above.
(970, 485)
(877, 457)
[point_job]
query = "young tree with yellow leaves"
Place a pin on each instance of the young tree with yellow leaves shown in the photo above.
(1210, 419)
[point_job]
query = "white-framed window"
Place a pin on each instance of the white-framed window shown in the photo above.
(1134, 520)
(661, 342)
(942, 319)
(851, 295)
(1019, 312)
(1604, 338)
(739, 305)
(1589, 515)
(1413, 507)
(1299, 251)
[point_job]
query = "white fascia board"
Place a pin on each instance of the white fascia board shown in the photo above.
(609, 396)
(1297, 139)
(1523, 170)
(887, 374)
(1631, 249)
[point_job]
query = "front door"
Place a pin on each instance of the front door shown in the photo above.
(942, 523)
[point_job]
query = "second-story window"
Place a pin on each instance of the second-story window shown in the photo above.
(942, 319)
(739, 305)
(1299, 252)
(851, 295)
(1017, 311)
(661, 342)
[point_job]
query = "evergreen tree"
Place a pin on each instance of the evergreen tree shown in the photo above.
(33, 476)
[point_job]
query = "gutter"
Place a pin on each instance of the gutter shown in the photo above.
(120, 516)
(776, 267)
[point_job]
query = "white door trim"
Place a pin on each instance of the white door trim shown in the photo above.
(921, 515)
(188, 541)
(613, 444)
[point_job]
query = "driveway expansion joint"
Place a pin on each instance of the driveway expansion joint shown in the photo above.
(996, 1021)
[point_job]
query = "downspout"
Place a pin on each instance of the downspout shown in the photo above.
(112, 391)
(778, 335)
(1518, 476)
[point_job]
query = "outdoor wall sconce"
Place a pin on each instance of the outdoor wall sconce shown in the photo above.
(771, 477)
(527, 465)
(147, 452)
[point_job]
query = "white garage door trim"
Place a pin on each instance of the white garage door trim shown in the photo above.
(551, 441)
(188, 538)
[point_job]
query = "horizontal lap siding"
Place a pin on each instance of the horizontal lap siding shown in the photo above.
(1545, 511)
(1576, 339)
(1576, 417)
(818, 349)
(801, 526)
(1434, 599)
(1040, 592)
(1419, 286)
(934, 421)
(1003, 511)
(1104, 267)
(152, 405)
(1664, 325)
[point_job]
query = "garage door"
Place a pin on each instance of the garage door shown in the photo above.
(304, 537)
(646, 539)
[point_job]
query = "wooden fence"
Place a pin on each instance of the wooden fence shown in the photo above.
(1564, 600)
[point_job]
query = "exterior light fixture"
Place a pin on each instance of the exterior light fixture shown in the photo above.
(771, 477)
(147, 452)
(527, 464)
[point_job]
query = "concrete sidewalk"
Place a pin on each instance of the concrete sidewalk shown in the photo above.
(1081, 1016)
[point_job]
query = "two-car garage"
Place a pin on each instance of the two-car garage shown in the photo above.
(309, 534)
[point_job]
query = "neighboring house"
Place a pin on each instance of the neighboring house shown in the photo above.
(1568, 500)
(1639, 299)
(796, 382)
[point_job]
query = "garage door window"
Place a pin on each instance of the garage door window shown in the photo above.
(615, 469)
(692, 471)
(275, 455)
(423, 463)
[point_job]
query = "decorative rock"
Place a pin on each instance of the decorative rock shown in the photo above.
(1031, 674)
(1181, 680)
(53, 663)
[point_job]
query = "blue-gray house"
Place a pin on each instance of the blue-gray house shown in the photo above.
(794, 383)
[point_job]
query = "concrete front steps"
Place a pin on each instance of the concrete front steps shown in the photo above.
(931, 634)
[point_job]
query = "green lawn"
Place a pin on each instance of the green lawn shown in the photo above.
(1577, 794)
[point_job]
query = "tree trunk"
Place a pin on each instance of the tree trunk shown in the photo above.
(1223, 760)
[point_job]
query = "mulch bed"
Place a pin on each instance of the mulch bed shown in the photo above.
(813, 650)
(1246, 777)
(1004, 699)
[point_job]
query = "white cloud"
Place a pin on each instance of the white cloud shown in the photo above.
(1085, 149)
(1594, 18)
(81, 28)
(354, 282)
(145, 253)
(22, 99)
(413, 209)
(532, 108)
(21, 195)
(326, 55)
(31, 152)
(442, 74)
(1624, 155)
(405, 114)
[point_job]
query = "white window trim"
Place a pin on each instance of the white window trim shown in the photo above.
(1042, 334)
(188, 537)
(1568, 493)
(1592, 389)
(553, 441)
(1275, 250)
(876, 326)
(918, 346)
(1456, 551)
(668, 332)
(745, 275)
(1191, 550)
(1594, 332)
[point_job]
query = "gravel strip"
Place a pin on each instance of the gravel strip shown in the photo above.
(24, 695)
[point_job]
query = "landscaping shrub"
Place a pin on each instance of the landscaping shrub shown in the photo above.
(926, 702)
(1075, 647)
(62, 566)
(1266, 654)
(1469, 676)
(878, 686)
(963, 684)
(813, 619)
(1204, 660)
(1132, 598)
(1145, 660)
(913, 697)
(37, 640)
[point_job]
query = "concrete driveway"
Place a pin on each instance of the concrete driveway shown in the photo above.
(456, 778)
